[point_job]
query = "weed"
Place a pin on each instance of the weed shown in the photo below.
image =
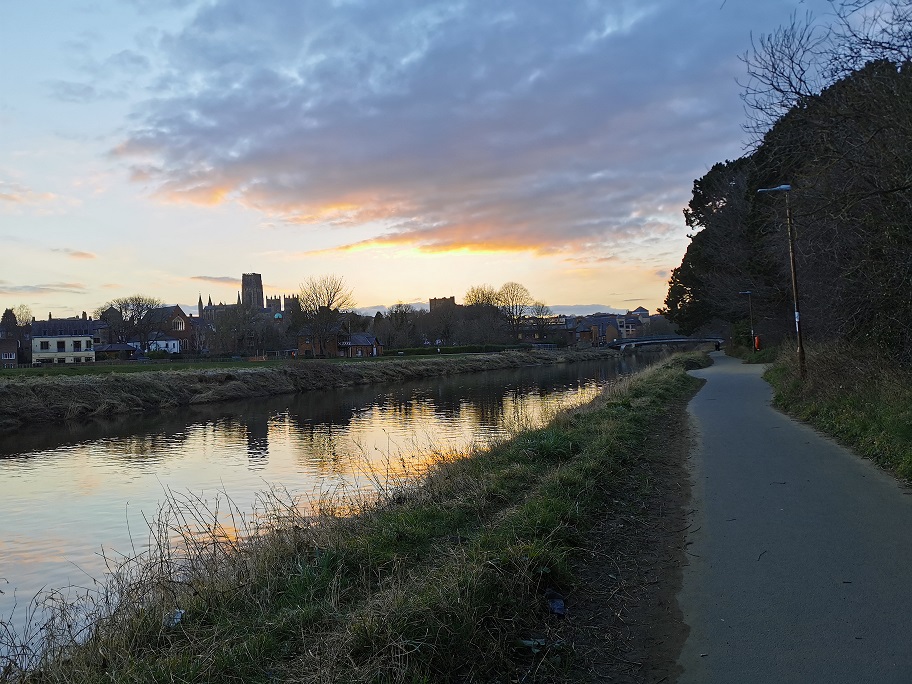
(858, 396)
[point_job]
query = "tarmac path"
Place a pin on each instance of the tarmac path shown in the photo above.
(799, 552)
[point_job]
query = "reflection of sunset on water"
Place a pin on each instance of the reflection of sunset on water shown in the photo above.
(101, 485)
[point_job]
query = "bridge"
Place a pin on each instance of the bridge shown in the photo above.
(661, 339)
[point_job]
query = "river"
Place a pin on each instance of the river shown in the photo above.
(68, 491)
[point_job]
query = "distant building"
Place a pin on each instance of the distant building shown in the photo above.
(63, 340)
(173, 323)
(9, 352)
(439, 303)
(252, 291)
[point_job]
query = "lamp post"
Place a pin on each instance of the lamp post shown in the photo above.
(750, 309)
(802, 366)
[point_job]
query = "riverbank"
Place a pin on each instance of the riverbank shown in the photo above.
(25, 399)
(528, 561)
(859, 397)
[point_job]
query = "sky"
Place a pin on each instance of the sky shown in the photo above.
(414, 147)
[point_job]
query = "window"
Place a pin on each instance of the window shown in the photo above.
(77, 345)
(9, 355)
(88, 345)
(177, 324)
(45, 346)
(61, 345)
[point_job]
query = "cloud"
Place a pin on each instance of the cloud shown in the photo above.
(71, 91)
(14, 193)
(220, 280)
(509, 126)
(48, 288)
(73, 253)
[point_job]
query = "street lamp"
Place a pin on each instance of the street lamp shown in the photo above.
(802, 366)
(750, 309)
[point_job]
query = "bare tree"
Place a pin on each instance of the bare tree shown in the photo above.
(23, 313)
(481, 295)
(541, 312)
(131, 317)
(481, 314)
(324, 301)
(792, 65)
(401, 325)
(513, 300)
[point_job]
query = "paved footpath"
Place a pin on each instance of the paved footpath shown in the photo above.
(800, 555)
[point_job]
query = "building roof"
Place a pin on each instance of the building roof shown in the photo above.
(363, 340)
(63, 327)
(117, 347)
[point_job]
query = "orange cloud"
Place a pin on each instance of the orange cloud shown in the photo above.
(74, 253)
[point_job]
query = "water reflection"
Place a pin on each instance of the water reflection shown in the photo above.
(66, 492)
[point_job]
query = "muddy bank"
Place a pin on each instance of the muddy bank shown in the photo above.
(49, 399)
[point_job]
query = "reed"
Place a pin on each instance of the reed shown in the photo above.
(443, 576)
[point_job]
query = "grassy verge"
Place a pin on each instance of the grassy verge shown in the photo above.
(28, 399)
(748, 355)
(454, 576)
(859, 397)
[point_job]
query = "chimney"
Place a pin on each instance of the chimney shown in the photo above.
(50, 318)
(83, 315)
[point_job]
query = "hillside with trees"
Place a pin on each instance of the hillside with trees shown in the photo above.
(830, 109)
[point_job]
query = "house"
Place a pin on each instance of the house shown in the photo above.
(359, 345)
(339, 344)
(630, 326)
(114, 351)
(63, 340)
(173, 323)
(9, 352)
(309, 346)
(159, 341)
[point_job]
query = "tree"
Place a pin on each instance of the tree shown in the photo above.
(324, 301)
(131, 317)
(400, 321)
(481, 315)
(23, 314)
(513, 300)
(442, 323)
(481, 295)
(541, 312)
(8, 322)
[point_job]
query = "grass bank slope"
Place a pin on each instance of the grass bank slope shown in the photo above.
(25, 399)
(856, 395)
(459, 576)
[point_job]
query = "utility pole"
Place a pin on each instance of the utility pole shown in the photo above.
(802, 365)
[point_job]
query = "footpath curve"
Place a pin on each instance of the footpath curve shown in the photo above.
(799, 555)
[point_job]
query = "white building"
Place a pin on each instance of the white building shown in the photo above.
(63, 340)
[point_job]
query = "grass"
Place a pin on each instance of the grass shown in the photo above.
(748, 355)
(102, 368)
(107, 390)
(441, 578)
(857, 395)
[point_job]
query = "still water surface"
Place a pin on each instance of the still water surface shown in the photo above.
(67, 491)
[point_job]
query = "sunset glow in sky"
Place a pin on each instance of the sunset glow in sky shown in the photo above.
(415, 148)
